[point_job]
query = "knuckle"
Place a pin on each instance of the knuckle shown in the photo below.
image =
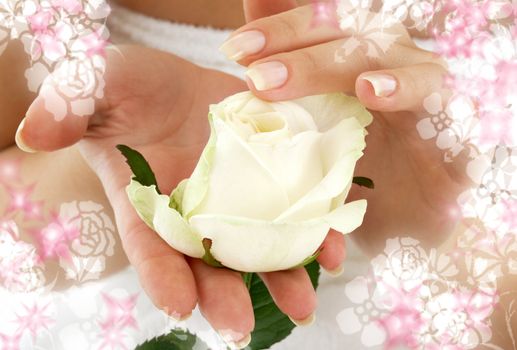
(371, 62)
(308, 60)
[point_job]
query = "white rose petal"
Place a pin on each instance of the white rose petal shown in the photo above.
(257, 245)
(269, 185)
(264, 197)
(154, 210)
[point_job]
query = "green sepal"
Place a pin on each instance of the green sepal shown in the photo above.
(139, 166)
(208, 258)
(177, 197)
(364, 182)
(247, 277)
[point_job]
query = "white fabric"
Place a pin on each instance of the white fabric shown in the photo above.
(196, 44)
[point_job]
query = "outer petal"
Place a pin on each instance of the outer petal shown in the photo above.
(197, 186)
(239, 183)
(154, 210)
(259, 246)
(346, 136)
(347, 217)
(330, 109)
(318, 202)
(295, 162)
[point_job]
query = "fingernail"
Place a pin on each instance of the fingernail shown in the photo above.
(186, 316)
(243, 342)
(306, 322)
(243, 44)
(383, 85)
(178, 318)
(19, 139)
(228, 336)
(269, 75)
(336, 272)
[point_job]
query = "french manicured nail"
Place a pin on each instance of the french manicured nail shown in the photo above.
(229, 336)
(178, 318)
(19, 139)
(241, 344)
(306, 322)
(243, 44)
(268, 75)
(336, 272)
(383, 85)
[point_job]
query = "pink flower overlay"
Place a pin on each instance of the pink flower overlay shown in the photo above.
(64, 38)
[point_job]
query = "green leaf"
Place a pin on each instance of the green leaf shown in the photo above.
(363, 181)
(271, 324)
(247, 277)
(208, 258)
(177, 339)
(139, 166)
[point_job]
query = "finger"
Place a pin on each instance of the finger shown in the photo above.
(41, 131)
(401, 89)
(164, 273)
(293, 293)
(231, 316)
(282, 32)
(333, 253)
(304, 72)
(254, 9)
(55, 120)
(315, 70)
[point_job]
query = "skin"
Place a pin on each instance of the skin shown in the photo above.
(414, 188)
(413, 185)
(177, 132)
(135, 80)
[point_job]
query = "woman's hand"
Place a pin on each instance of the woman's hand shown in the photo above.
(158, 104)
(287, 58)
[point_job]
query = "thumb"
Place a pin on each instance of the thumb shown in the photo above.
(40, 131)
(255, 9)
(55, 120)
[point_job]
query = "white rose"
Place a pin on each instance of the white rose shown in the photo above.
(269, 185)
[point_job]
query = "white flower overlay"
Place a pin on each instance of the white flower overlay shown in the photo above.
(457, 319)
(417, 14)
(412, 299)
(362, 317)
(66, 41)
(491, 208)
(74, 86)
(21, 269)
(453, 125)
(370, 33)
(95, 242)
(407, 263)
